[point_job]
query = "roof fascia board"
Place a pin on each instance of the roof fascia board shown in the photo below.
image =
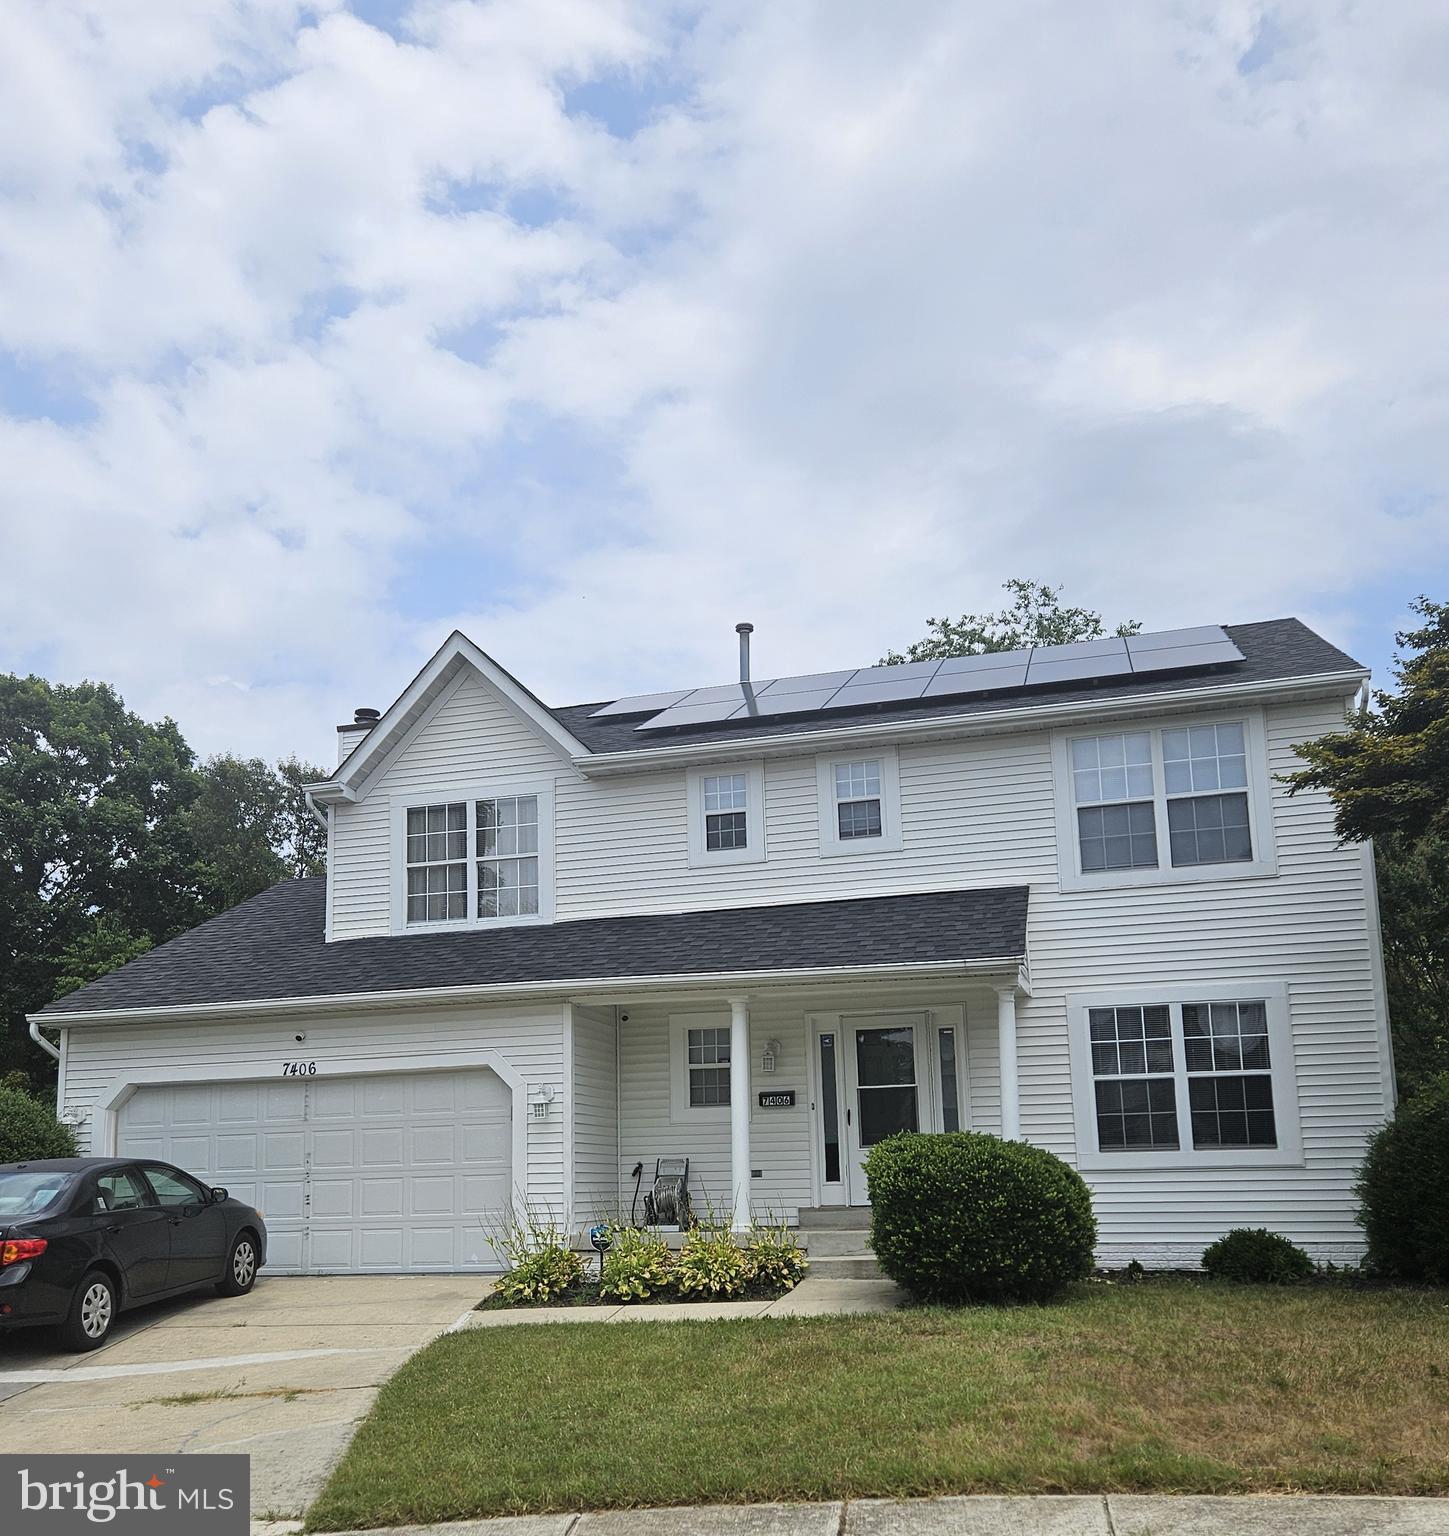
(575, 988)
(379, 742)
(994, 722)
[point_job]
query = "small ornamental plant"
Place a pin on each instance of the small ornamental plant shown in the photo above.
(542, 1265)
(1403, 1190)
(1256, 1256)
(776, 1258)
(636, 1266)
(967, 1217)
(29, 1129)
(711, 1265)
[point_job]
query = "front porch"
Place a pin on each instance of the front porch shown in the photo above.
(776, 1096)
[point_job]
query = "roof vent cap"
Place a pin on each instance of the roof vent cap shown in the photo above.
(366, 716)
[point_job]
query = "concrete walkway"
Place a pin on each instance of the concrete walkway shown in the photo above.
(811, 1298)
(1117, 1514)
(284, 1375)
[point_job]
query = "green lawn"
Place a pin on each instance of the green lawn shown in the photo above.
(1173, 1385)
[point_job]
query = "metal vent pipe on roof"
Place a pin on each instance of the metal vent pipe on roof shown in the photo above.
(744, 631)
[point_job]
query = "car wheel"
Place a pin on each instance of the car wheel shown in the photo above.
(92, 1313)
(241, 1267)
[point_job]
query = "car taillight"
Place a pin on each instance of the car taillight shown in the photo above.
(14, 1249)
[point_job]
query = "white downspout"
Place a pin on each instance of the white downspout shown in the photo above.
(1006, 1048)
(42, 1042)
(312, 806)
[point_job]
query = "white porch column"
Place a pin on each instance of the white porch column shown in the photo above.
(740, 1110)
(1006, 1048)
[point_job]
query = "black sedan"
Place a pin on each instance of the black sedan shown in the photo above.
(84, 1238)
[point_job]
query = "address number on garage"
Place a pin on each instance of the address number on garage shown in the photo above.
(299, 1069)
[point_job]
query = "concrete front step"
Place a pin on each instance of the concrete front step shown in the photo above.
(834, 1218)
(851, 1244)
(852, 1267)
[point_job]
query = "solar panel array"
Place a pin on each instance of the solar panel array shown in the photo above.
(1168, 650)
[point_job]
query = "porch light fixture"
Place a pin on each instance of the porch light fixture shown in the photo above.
(771, 1056)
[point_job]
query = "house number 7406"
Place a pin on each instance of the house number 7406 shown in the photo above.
(299, 1069)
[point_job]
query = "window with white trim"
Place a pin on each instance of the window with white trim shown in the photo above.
(726, 814)
(857, 799)
(1185, 1076)
(507, 850)
(482, 859)
(1172, 802)
(860, 803)
(437, 862)
(726, 811)
(708, 1065)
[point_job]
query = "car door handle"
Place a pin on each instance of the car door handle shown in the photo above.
(115, 1228)
(175, 1221)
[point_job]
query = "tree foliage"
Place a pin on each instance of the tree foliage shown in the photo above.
(1388, 776)
(1035, 616)
(1388, 772)
(113, 839)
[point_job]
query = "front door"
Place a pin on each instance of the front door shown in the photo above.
(882, 1086)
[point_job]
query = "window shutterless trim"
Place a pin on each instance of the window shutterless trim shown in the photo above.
(1272, 994)
(401, 802)
(1260, 808)
(697, 818)
(831, 842)
(681, 1111)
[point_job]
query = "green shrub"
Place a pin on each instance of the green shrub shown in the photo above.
(636, 1266)
(29, 1129)
(713, 1264)
(968, 1217)
(1403, 1190)
(776, 1258)
(542, 1265)
(1256, 1256)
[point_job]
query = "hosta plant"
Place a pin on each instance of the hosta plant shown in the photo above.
(636, 1265)
(542, 1265)
(712, 1264)
(776, 1258)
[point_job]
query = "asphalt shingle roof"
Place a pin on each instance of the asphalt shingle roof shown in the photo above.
(272, 947)
(1272, 650)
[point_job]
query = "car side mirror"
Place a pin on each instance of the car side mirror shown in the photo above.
(217, 1196)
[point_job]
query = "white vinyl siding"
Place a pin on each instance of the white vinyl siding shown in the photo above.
(595, 1123)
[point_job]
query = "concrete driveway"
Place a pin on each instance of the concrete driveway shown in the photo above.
(284, 1375)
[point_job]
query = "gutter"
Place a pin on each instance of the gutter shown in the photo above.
(548, 991)
(991, 722)
(41, 1041)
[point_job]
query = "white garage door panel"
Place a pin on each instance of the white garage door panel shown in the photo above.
(394, 1171)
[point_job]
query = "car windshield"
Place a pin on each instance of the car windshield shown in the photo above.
(28, 1194)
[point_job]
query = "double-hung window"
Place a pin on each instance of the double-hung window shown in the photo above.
(726, 815)
(482, 859)
(1183, 1075)
(860, 803)
(699, 1067)
(1173, 802)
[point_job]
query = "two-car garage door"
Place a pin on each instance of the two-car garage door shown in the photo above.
(390, 1171)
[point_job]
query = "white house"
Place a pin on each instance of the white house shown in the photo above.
(1061, 895)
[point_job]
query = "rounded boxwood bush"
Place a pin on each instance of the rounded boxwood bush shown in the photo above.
(1403, 1190)
(1256, 1256)
(967, 1217)
(29, 1129)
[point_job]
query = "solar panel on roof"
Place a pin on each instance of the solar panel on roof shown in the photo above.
(693, 714)
(886, 691)
(642, 703)
(1175, 658)
(1112, 656)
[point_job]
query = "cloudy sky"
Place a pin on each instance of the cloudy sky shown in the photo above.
(591, 327)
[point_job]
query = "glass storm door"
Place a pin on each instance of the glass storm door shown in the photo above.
(882, 1062)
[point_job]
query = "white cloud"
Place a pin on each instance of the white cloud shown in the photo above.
(879, 307)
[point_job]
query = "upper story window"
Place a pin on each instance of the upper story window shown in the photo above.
(860, 803)
(726, 814)
(726, 811)
(480, 859)
(1184, 1075)
(1165, 803)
